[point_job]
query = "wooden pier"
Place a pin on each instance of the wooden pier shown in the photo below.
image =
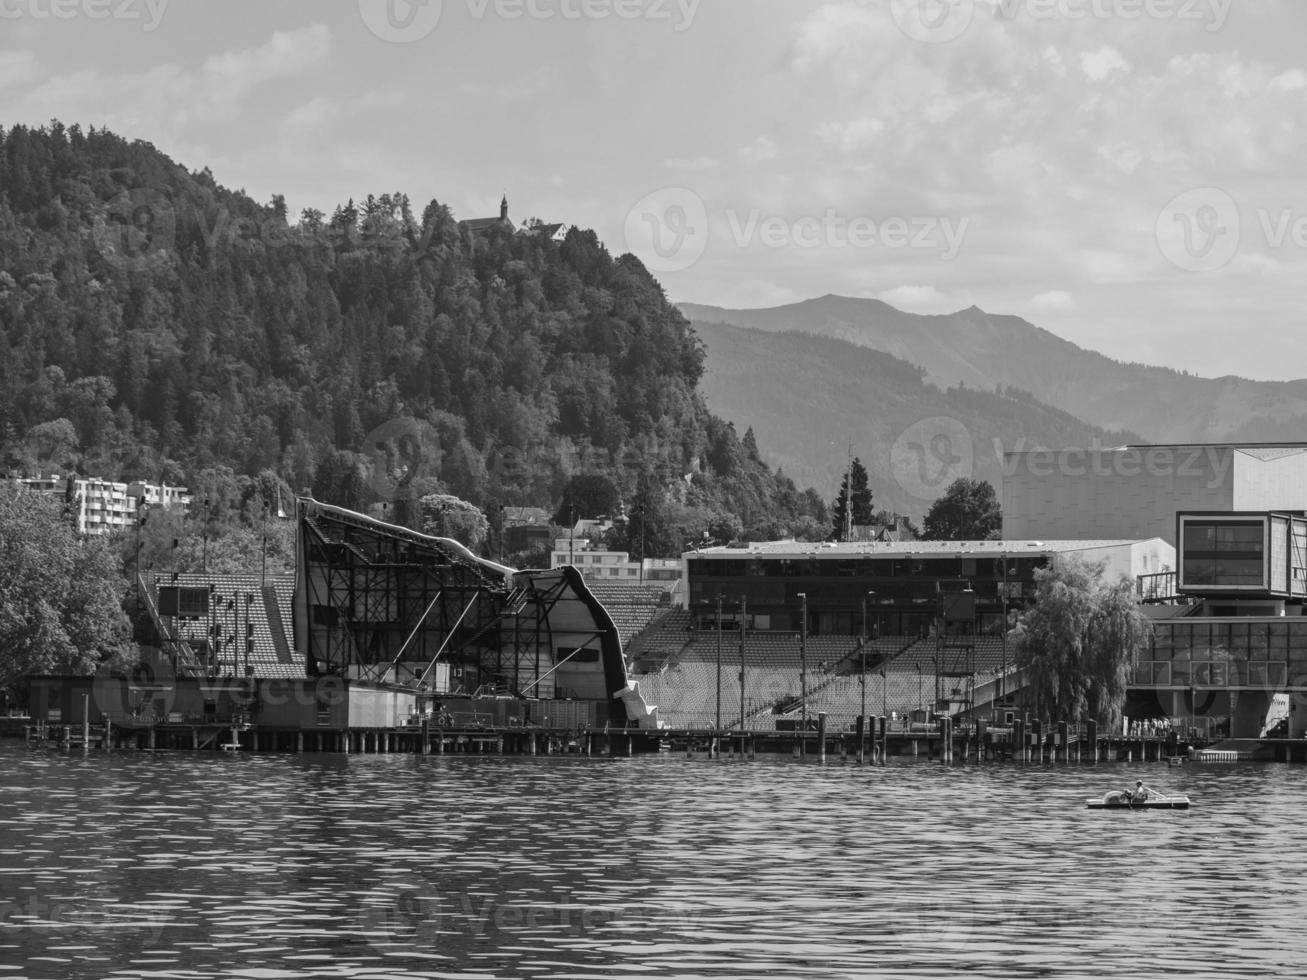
(873, 741)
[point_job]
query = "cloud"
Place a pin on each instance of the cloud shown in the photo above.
(18, 68)
(1053, 301)
(756, 294)
(286, 54)
(1097, 65)
(916, 299)
(693, 164)
(165, 99)
(762, 149)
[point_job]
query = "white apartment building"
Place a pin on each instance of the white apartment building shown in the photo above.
(102, 506)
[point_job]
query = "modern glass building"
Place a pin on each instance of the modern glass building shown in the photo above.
(897, 585)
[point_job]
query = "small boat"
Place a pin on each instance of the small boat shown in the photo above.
(1118, 801)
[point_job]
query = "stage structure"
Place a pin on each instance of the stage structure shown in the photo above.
(383, 604)
(955, 646)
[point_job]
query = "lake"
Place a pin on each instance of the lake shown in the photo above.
(203, 866)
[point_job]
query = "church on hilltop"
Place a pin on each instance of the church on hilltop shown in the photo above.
(555, 231)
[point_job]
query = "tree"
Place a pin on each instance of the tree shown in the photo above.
(587, 496)
(1078, 643)
(60, 598)
(446, 516)
(967, 511)
(857, 475)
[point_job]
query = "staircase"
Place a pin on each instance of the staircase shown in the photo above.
(276, 625)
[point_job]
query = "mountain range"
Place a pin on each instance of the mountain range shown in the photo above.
(812, 376)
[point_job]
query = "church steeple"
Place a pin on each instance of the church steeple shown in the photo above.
(503, 209)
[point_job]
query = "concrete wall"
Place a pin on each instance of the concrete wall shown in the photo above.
(1270, 484)
(1131, 559)
(369, 708)
(1131, 494)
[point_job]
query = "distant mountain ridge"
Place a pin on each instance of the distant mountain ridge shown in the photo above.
(809, 397)
(984, 350)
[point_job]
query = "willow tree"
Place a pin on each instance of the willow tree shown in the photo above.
(1078, 643)
(60, 594)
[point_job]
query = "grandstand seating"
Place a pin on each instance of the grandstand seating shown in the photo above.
(683, 678)
(271, 656)
(631, 605)
(659, 643)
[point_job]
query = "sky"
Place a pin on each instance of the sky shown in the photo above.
(1128, 174)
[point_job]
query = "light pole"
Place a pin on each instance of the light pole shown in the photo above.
(803, 670)
(863, 644)
(719, 662)
(640, 510)
(1002, 676)
(744, 620)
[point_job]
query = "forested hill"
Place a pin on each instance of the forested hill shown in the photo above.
(156, 325)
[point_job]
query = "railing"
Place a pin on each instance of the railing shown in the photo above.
(1155, 587)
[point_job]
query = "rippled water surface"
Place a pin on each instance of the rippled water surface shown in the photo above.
(190, 866)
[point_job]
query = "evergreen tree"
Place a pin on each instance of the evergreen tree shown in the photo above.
(842, 519)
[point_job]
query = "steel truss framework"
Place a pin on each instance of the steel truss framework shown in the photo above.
(383, 603)
(533, 654)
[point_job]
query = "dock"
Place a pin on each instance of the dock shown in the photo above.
(875, 741)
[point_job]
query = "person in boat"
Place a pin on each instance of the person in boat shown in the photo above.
(1139, 794)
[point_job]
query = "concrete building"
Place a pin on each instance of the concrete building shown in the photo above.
(103, 506)
(1134, 492)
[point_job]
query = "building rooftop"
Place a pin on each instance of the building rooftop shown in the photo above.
(1261, 450)
(821, 549)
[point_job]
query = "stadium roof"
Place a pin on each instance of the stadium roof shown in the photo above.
(944, 549)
